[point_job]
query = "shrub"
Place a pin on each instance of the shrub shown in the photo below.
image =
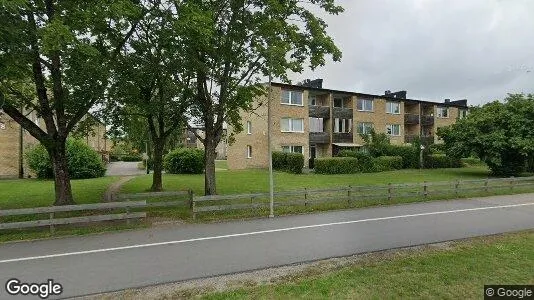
(365, 160)
(387, 163)
(131, 157)
(113, 157)
(336, 165)
(437, 161)
(82, 161)
(288, 162)
(184, 161)
(472, 161)
(409, 154)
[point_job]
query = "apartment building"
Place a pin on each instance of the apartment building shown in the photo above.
(320, 122)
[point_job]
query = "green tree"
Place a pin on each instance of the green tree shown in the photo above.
(64, 49)
(499, 133)
(233, 45)
(150, 84)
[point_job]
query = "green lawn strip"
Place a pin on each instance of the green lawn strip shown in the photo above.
(455, 272)
(221, 164)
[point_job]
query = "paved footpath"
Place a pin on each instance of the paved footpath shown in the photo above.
(115, 261)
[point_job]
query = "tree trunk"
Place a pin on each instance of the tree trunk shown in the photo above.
(157, 184)
(61, 175)
(209, 160)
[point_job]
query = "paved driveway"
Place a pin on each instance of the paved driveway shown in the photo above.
(123, 168)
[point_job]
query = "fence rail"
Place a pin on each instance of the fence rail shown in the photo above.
(352, 194)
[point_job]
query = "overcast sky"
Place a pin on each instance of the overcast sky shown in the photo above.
(435, 49)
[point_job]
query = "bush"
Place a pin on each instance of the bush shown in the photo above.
(288, 162)
(365, 160)
(337, 165)
(387, 163)
(409, 154)
(472, 161)
(437, 161)
(184, 161)
(131, 157)
(82, 161)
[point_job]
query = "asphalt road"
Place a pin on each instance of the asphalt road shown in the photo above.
(109, 262)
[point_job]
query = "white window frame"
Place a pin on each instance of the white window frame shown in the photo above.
(462, 113)
(345, 128)
(291, 149)
(389, 107)
(363, 106)
(320, 121)
(249, 127)
(365, 131)
(249, 151)
(389, 128)
(291, 120)
(440, 112)
(290, 93)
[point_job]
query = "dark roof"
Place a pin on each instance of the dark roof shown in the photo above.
(291, 86)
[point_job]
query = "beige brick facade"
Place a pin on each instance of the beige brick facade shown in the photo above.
(414, 119)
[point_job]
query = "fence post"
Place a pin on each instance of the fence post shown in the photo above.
(349, 194)
(305, 197)
(193, 209)
(190, 195)
(456, 188)
(128, 215)
(511, 183)
(486, 185)
(389, 192)
(425, 190)
(52, 229)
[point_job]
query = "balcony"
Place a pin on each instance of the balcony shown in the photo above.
(411, 119)
(319, 111)
(319, 137)
(427, 120)
(425, 140)
(342, 113)
(342, 137)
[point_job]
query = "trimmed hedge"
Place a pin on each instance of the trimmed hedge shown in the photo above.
(82, 161)
(288, 162)
(438, 161)
(184, 161)
(337, 165)
(387, 163)
(365, 160)
(409, 154)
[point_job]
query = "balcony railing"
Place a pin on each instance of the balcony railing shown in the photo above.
(427, 120)
(342, 113)
(319, 111)
(319, 137)
(411, 119)
(342, 137)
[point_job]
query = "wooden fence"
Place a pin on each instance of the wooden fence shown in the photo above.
(128, 203)
(352, 194)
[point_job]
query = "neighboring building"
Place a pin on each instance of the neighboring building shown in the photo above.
(319, 122)
(191, 141)
(12, 137)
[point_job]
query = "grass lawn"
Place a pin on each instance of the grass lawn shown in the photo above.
(221, 164)
(455, 272)
(20, 193)
(250, 181)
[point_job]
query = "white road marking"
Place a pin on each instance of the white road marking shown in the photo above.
(260, 232)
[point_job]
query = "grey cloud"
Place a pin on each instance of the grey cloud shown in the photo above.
(435, 49)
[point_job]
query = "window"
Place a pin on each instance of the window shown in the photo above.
(249, 151)
(365, 127)
(338, 102)
(462, 113)
(393, 129)
(291, 125)
(342, 125)
(393, 107)
(316, 125)
(443, 112)
(292, 149)
(292, 97)
(312, 100)
(249, 127)
(365, 104)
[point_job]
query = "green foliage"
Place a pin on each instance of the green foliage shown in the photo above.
(387, 163)
(409, 154)
(376, 143)
(288, 162)
(365, 160)
(83, 162)
(131, 157)
(500, 133)
(472, 161)
(337, 165)
(438, 161)
(184, 161)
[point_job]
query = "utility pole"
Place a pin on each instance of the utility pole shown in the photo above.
(269, 125)
(21, 147)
